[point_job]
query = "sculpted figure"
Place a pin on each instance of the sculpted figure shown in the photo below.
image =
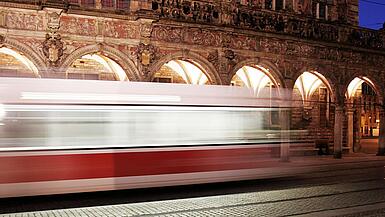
(304, 6)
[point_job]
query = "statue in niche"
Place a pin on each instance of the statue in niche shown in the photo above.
(304, 7)
(342, 11)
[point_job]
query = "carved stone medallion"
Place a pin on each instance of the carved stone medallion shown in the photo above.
(53, 48)
(146, 53)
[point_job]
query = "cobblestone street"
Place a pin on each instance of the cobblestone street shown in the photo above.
(288, 202)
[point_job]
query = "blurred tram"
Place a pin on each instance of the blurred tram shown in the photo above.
(63, 136)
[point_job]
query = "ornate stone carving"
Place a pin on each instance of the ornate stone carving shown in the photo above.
(213, 57)
(146, 54)
(202, 37)
(120, 29)
(145, 27)
(229, 54)
(53, 48)
(53, 21)
(17, 20)
(167, 34)
(78, 25)
(2, 39)
(230, 14)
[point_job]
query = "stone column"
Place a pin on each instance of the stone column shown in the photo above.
(338, 126)
(285, 116)
(350, 133)
(381, 137)
(285, 119)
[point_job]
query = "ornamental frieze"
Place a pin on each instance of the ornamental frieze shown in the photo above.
(256, 43)
(230, 14)
(120, 29)
(78, 25)
(243, 42)
(167, 34)
(202, 37)
(17, 20)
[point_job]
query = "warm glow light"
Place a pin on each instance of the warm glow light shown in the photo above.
(253, 78)
(307, 83)
(26, 62)
(109, 65)
(355, 84)
(190, 73)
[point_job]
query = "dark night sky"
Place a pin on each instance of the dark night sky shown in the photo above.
(372, 13)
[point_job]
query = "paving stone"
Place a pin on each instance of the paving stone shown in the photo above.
(266, 203)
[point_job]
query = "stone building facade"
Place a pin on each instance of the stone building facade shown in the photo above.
(289, 41)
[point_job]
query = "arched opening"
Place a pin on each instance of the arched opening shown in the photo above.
(15, 64)
(257, 78)
(312, 114)
(96, 67)
(181, 71)
(263, 84)
(363, 118)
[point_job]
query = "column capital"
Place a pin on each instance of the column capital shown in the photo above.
(350, 110)
(339, 108)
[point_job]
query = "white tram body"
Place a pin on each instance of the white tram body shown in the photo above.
(63, 136)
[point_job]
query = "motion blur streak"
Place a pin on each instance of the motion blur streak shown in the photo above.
(98, 97)
(52, 138)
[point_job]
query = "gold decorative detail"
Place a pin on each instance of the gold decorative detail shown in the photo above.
(145, 53)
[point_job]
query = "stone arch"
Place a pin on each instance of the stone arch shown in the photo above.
(28, 52)
(309, 112)
(325, 77)
(209, 69)
(122, 59)
(373, 83)
(363, 122)
(273, 70)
